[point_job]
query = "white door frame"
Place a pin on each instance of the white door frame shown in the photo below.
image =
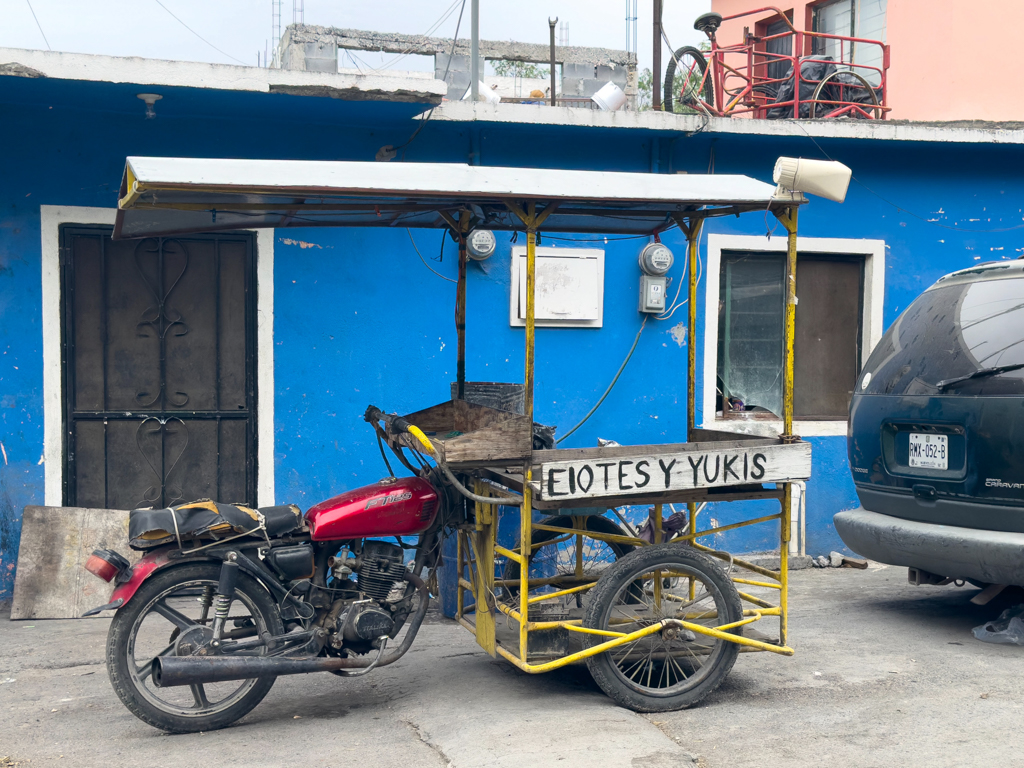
(51, 218)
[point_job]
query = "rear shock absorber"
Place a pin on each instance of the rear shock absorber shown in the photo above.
(225, 593)
(206, 601)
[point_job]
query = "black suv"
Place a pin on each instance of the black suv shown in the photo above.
(936, 436)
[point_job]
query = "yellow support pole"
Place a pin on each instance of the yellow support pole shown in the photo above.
(656, 515)
(460, 595)
(789, 221)
(526, 513)
(692, 238)
(483, 545)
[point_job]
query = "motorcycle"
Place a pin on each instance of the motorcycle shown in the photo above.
(227, 599)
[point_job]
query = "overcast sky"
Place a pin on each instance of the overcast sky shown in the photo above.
(241, 28)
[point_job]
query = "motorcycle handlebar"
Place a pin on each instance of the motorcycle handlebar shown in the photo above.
(394, 421)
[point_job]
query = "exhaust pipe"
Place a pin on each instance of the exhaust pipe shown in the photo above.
(170, 671)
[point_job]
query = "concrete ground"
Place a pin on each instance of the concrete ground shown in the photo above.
(885, 675)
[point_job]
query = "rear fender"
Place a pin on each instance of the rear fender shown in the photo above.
(141, 571)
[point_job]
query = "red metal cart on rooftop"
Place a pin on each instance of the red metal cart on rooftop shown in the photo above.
(789, 74)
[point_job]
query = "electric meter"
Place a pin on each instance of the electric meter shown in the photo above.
(656, 259)
(481, 244)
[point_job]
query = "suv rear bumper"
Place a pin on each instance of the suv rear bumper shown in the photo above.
(994, 557)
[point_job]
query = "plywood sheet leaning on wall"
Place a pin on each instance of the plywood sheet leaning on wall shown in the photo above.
(55, 542)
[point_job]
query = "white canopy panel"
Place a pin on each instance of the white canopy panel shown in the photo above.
(161, 196)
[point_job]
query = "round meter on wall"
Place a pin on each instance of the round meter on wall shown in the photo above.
(481, 244)
(656, 259)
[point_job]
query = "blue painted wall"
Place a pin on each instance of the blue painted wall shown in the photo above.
(359, 320)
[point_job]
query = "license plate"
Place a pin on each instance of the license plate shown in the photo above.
(929, 451)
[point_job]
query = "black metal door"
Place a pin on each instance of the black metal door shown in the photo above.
(159, 365)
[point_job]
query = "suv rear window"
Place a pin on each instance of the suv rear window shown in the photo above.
(951, 331)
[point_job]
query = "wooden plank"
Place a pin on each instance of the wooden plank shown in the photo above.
(600, 454)
(706, 435)
(510, 440)
(510, 480)
(698, 496)
(55, 543)
(701, 465)
(436, 418)
(470, 417)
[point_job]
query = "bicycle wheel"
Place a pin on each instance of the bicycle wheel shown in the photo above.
(673, 668)
(690, 68)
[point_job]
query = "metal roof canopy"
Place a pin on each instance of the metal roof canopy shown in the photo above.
(169, 196)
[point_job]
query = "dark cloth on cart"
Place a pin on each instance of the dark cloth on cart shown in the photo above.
(812, 72)
(843, 88)
(674, 523)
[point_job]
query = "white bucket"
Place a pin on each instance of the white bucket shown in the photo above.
(485, 94)
(610, 98)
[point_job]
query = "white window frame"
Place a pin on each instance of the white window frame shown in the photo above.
(873, 252)
(52, 217)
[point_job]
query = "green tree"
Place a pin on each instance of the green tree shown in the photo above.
(644, 84)
(519, 69)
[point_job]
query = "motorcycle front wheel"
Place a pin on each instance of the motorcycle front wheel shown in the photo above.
(171, 614)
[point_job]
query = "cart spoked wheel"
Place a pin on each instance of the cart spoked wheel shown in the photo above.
(673, 668)
(557, 557)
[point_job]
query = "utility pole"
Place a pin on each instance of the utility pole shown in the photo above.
(474, 51)
(656, 65)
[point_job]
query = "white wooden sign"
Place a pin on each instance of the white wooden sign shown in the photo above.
(664, 473)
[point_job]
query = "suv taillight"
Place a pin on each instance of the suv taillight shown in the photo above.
(107, 564)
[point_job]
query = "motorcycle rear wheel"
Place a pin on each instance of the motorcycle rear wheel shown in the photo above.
(164, 608)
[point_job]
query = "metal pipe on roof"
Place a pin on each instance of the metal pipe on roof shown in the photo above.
(656, 64)
(551, 23)
(474, 51)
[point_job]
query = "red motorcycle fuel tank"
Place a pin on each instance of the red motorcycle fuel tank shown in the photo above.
(391, 507)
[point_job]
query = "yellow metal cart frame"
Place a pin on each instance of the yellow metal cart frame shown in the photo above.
(477, 546)
(164, 196)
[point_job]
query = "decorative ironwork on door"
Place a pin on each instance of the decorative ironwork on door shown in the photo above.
(159, 360)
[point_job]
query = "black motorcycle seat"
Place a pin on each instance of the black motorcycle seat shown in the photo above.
(281, 519)
(205, 519)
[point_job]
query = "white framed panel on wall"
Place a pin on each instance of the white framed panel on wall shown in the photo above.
(570, 288)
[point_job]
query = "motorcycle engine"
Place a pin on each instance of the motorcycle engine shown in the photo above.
(366, 622)
(379, 566)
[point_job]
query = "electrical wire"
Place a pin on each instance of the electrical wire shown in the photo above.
(33, 11)
(607, 391)
(433, 28)
(425, 261)
(700, 273)
(444, 78)
(186, 26)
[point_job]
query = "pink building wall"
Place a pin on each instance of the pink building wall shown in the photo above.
(950, 60)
